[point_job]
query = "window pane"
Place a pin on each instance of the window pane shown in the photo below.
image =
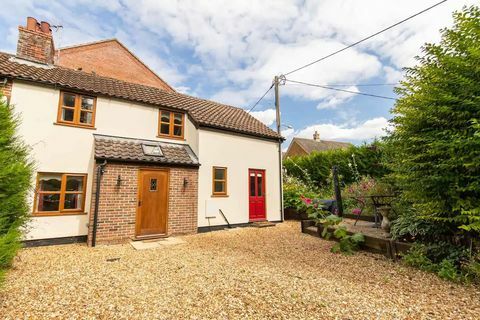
(73, 201)
(67, 114)
(219, 174)
(177, 118)
(87, 103)
(260, 185)
(86, 117)
(69, 100)
(164, 129)
(48, 202)
(153, 184)
(50, 182)
(252, 185)
(177, 131)
(219, 187)
(74, 183)
(165, 116)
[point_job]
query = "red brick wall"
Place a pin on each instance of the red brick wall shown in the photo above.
(118, 205)
(7, 89)
(110, 59)
(35, 45)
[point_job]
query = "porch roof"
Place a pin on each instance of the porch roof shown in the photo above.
(132, 150)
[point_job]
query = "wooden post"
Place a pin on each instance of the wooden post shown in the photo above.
(336, 189)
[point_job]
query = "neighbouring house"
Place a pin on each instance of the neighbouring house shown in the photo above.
(302, 147)
(120, 155)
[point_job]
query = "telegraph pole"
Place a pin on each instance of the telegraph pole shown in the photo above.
(276, 83)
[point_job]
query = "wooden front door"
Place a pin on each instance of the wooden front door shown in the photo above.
(152, 203)
(256, 194)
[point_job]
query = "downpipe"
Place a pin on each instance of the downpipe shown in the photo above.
(100, 172)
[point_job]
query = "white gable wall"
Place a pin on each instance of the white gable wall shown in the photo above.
(237, 153)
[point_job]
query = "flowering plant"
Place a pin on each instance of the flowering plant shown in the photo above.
(314, 208)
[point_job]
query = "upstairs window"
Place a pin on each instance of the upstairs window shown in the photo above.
(171, 124)
(60, 193)
(76, 110)
(219, 183)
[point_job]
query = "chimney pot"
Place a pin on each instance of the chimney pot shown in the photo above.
(316, 136)
(45, 27)
(31, 23)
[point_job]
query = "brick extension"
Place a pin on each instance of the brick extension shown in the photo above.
(118, 205)
(110, 58)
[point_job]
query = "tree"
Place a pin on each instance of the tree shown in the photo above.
(15, 179)
(435, 142)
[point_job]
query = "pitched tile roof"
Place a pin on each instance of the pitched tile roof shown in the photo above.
(128, 149)
(203, 112)
(310, 145)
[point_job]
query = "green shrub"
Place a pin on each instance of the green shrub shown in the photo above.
(15, 179)
(435, 145)
(316, 168)
(447, 270)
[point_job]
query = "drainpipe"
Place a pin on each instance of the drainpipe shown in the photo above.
(100, 171)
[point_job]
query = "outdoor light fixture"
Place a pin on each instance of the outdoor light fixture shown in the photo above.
(185, 182)
(119, 181)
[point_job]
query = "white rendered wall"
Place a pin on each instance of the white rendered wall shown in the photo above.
(238, 154)
(63, 149)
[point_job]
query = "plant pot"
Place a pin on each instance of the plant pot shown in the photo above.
(385, 212)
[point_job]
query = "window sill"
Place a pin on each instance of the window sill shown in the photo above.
(55, 214)
(220, 195)
(74, 125)
(170, 137)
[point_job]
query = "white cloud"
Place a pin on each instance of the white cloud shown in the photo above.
(364, 131)
(240, 45)
(268, 116)
(392, 75)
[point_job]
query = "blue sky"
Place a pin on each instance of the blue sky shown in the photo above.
(229, 51)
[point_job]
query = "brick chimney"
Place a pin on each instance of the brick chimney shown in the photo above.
(316, 136)
(35, 42)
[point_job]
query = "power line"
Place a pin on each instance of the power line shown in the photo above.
(261, 98)
(367, 38)
(342, 90)
(359, 84)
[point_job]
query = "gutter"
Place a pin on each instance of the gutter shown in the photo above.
(100, 172)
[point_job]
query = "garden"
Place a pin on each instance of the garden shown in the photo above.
(426, 170)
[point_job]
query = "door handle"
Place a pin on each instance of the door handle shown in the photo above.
(139, 203)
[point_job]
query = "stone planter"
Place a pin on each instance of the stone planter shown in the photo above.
(385, 213)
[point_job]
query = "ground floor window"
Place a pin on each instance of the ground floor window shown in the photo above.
(219, 183)
(60, 193)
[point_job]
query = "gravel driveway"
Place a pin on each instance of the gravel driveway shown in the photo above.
(275, 273)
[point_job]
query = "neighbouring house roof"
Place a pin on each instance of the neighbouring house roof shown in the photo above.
(82, 50)
(310, 145)
(203, 113)
(132, 150)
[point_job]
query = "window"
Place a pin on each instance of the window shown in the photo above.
(219, 185)
(58, 193)
(170, 124)
(76, 109)
(152, 150)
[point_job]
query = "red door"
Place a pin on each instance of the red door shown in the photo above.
(256, 194)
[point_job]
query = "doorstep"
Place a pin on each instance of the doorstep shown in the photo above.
(262, 224)
(153, 244)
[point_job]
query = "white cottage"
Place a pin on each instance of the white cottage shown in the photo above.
(118, 160)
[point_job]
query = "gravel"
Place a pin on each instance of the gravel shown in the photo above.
(249, 273)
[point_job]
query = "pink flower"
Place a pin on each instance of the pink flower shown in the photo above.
(356, 211)
(307, 201)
